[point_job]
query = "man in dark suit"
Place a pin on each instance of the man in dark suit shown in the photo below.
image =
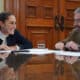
(72, 43)
(11, 39)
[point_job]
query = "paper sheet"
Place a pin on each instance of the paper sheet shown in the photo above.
(36, 51)
(5, 51)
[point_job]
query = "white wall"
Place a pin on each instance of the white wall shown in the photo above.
(1, 5)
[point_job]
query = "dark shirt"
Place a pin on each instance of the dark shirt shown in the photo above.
(73, 36)
(16, 60)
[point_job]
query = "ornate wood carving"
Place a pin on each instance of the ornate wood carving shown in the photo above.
(71, 5)
(48, 12)
(40, 36)
(69, 14)
(31, 11)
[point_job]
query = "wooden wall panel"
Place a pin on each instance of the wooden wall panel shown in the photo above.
(70, 6)
(40, 36)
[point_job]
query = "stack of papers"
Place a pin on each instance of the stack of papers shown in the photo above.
(56, 52)
(36, 51)
(5, 51)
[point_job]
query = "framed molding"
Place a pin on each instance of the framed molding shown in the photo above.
(31, 11)
(48, 12)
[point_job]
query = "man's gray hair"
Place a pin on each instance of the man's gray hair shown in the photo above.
(77, 10)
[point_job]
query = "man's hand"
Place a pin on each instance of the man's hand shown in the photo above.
(71, 60)
(72, 45)
(59, 45)
(60, 58)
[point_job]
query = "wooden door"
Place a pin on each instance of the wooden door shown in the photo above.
(39, 27)
(37, 21)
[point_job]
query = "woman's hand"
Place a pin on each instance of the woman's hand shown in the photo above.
(5, 47)
(10, 74)
(4, 55)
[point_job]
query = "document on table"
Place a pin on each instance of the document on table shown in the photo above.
(5, 51)
(36, 51)
(66, 53)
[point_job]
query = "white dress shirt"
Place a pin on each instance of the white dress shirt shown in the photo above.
(3, 38)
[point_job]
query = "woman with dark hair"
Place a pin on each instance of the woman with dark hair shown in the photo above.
(11, 39)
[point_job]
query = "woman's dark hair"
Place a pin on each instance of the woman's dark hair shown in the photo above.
(4, 16)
